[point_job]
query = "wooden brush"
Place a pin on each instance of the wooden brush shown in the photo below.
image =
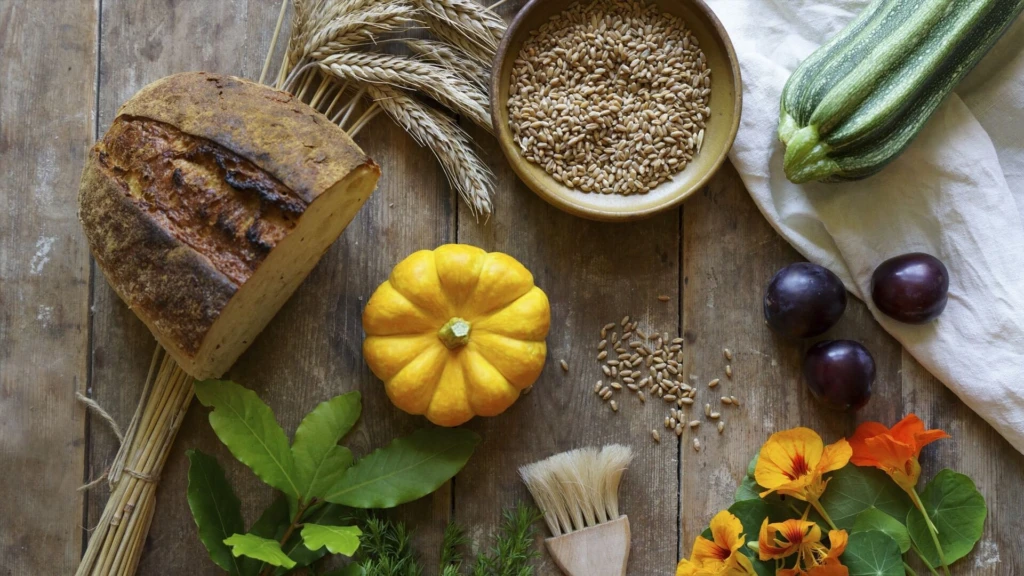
(578, 492)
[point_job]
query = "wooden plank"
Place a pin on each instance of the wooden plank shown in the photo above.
(312, 350)
(47, 97)
(593, 273)
(729, 254)
(977, 450)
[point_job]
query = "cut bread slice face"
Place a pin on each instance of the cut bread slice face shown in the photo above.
(208, 202)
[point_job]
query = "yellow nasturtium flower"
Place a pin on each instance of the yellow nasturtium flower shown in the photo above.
(720, 556)
(780, 540)
(792, 463)
(801, 537)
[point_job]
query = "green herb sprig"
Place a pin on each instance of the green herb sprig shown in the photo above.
(319, 480)
(385, 549)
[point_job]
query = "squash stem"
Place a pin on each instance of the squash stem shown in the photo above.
(455, 333)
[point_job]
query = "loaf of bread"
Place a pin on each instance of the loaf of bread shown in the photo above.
(207, 203)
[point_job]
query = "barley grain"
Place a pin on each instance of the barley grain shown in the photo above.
(696, 444)
(565, 366)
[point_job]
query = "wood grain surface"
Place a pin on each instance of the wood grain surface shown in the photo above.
(64, 72)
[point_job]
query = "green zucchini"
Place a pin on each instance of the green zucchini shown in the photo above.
(857, 102)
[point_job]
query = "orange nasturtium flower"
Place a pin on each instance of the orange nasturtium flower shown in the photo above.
(792, 463)
(894, 450)
(721, 556)
(803, 538)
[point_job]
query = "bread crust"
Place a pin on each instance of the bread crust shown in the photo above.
(153, 242)
(270, 128)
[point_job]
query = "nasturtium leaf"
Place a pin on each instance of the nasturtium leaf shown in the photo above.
(854, 489)
(319, 461)
(873, 553)
(752, 513)
(215, 509)
(405, 470)
(748, 488)
(875, 519)
(247, 427)
(958, 511)
(263, 549)
(337, 539)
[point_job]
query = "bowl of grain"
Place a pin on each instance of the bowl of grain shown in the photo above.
(615, 109)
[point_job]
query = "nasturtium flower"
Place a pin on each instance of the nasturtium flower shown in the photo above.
(783, 539)
(792, 463)
(720, 556)
(895, 450)
(780, 540)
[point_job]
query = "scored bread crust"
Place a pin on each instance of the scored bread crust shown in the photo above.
(159, 264)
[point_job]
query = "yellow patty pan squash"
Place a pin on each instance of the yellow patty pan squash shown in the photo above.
(456, 332)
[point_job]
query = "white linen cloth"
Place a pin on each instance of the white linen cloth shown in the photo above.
(956, 193)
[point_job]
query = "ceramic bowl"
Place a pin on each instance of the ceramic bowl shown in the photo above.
(726, 100)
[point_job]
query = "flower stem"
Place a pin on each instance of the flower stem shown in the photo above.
(908, 569)
(817, 506)
(926, 563)
(932, 530)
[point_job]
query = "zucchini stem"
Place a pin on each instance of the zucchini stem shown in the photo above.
(806, 155)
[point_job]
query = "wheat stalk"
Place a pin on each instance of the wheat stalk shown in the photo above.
(452, 58)
(435, 81)
(453, 149)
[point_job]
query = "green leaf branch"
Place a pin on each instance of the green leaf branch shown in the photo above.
(319, 479)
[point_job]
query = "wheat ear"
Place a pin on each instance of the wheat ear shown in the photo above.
(435, 81)
(448, 33)
(476, 22)
(452, 58)
(467, 173)
(360, 27)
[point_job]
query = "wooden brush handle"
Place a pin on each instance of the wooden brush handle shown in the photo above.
(601, 550)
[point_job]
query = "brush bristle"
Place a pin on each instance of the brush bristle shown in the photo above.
(578, 488)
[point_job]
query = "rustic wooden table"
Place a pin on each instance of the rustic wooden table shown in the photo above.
(65, 69)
